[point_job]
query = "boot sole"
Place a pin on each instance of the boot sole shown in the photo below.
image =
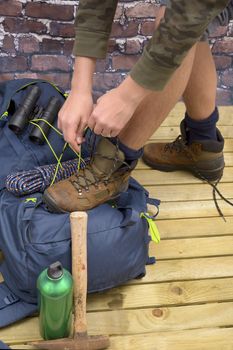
(54, 208)
(211, 175)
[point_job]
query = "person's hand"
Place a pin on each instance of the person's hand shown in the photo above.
(73, 117)
(114, 109)
(111, 114)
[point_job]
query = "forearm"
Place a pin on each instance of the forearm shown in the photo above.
(82, 79)
(185, 22)
(132, 92)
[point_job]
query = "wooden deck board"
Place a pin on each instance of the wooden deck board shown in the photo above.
(199, 339)
(151, 177)
(185, 301)
(228, 161)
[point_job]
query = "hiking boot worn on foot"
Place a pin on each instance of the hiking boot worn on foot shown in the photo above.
(204, 159)
(103, 179)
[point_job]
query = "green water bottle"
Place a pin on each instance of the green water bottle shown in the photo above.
(55, 285)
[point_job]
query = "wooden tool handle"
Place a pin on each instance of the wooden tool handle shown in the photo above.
(78, 222)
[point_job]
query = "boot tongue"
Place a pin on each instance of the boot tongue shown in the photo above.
(104, 150)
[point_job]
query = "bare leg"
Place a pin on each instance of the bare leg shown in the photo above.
(200, 93)
(196, 80)
(155, 107)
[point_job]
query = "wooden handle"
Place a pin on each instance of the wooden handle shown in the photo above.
(78, 223)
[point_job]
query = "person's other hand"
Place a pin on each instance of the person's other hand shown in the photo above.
(111, 114)
(114, 109)
(73, 117)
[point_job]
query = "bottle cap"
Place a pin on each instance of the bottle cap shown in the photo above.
(55, 270)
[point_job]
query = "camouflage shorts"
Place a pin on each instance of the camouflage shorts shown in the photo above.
(222, 19)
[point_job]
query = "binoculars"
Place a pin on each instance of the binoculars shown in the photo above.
(29, 110)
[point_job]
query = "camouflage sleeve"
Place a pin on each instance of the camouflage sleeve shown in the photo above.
(93, 26)
(184, 23)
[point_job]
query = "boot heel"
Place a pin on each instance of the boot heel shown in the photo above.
(211, 171)
(211, 175)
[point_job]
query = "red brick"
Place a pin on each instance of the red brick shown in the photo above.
(225, 46)
(224, 97)
(142, 10)
(227, 78)
(230, 30)
(222, 62)
(68, 47)
(124, 62)
(119, 12)
(148, 28)
(10, 8)
(28, 44)
(133, 46)
(62, 30)
(218, 32)
(50, 63)
(17, 25)
(131, 29)
(13, 64)
(61, 79)
(51, 46)
(7, 76)
(112, 46)
(102, 65)
(106, 81)
(8, 44)
(27, 75)
(50, 11)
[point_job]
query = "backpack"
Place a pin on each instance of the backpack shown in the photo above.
(31, 238)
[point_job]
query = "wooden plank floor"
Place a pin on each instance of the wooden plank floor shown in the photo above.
(185, 302)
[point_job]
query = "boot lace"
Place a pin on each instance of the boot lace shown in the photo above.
(180, 145)
(83, 181)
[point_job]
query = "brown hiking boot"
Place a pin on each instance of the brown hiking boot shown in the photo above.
(103, 179)
(204, 159)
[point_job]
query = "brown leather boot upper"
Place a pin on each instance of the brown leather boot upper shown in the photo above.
(103, 179)
(203, 158)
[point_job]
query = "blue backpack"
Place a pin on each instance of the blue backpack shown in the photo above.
(31, 238)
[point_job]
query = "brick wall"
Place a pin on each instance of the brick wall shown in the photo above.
(36, 39)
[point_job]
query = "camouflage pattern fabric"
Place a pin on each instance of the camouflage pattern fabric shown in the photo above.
(93, 26)
(184, 23)
(221, 20)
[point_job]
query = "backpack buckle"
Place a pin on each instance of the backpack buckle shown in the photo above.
(10, 299)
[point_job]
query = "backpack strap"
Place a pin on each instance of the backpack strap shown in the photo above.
(153, 201)
(12, 308)
(7, 297)
(131, 216)
(29, 206)
(151, 260)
